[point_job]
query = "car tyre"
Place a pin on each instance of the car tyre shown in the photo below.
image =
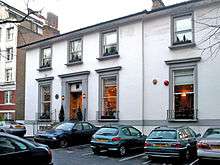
(96, 151)
(122, 150)
(64, 143)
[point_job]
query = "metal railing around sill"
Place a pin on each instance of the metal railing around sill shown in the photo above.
(184, 114)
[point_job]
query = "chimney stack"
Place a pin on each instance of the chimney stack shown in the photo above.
(157, 4)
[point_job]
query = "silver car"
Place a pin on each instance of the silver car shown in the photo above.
(12, 127)
(209, 145)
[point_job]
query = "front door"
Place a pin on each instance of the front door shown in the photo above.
(75, 105)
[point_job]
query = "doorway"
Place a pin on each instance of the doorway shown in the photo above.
(75, 102)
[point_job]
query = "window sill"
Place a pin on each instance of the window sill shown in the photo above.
(181, 46)
(44, 69)
(74, 63)
(182, 120)
(108, 57)
(108, 120)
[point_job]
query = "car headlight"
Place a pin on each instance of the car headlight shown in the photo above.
(54, 138)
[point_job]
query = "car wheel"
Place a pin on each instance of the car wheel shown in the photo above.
(1, 130)
(122, 150)
(96, 151)
(63, 143)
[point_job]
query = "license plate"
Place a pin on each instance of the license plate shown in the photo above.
(215, 147)
(18, 126)
(160, 145)
(101, 140)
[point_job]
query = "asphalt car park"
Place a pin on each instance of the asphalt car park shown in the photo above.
(83, 154)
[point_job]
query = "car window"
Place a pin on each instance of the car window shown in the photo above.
(188, 133)
(20, 146)
(65, 126)
(212, 133)
(107, 131)
(2, 123)
(6, 146)
(134, 132)
(87, 126)
(192, 132)
(78, 127)
(163, 134)
(182, 134)
(125, 131)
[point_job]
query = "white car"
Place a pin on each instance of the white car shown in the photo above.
(209, 145)
(12, 127)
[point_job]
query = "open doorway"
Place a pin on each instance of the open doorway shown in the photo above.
(75, 102)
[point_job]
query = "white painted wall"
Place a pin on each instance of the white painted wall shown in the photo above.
(157, 40)
(130, 49)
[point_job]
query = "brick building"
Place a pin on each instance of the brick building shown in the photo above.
(12, 60)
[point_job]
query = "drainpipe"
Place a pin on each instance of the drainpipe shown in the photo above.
(143, 76)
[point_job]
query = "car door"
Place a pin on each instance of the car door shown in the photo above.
(88, 131)
(13, 152)
(77, 133)
(137, 138)
(127, 138)
(191, 138)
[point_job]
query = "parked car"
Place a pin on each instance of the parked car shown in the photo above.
(66, 133)
(16, 150)
(209, 145)
(117, 138)
(12, 127)
(179, 142)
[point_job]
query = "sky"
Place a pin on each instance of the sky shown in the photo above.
(75, 14)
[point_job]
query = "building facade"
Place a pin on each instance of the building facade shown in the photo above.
(12, 61)
(145, 69)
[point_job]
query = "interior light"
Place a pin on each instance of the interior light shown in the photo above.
(183, 94)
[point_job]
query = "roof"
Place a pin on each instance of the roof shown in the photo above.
(117, 22)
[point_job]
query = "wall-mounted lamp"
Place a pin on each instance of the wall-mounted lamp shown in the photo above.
(62, 97)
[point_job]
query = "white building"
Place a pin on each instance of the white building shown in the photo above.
(145, 69)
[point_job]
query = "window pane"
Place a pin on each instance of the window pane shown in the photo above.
(6, 146)
(109, 97)
(182, 77)
(46, 57)
(46, 93)
(110, 38)
(183, 37)
(183, 24)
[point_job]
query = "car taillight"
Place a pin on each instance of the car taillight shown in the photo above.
(147, 144)
(202, 145)
(176, 145)
(116, 139)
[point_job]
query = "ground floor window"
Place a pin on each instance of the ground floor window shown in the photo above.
(183, 93)
(45, 102)
(7, 116)
(109, 97)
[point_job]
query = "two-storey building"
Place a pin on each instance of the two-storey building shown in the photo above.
(145, 69)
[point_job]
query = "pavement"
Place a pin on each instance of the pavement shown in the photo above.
(83, 155)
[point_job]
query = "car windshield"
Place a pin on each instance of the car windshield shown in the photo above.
(107, 131)
(212, 133)
(163, 134)
(65, 126)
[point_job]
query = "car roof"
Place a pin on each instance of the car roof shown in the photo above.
(173, 128)
(116, 126)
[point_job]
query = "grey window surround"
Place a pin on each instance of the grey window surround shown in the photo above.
(183, 45)
(106, 73)
(48, 81)
(68, 52)
(182, 64)
(102, 33)
(42, 68)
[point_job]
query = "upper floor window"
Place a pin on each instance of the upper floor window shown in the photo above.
(8, 97)
(109, 43)
(9, 55)
(182, 29)
(10, 33)
(46, 57)
(8, 75)
(75, 51)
